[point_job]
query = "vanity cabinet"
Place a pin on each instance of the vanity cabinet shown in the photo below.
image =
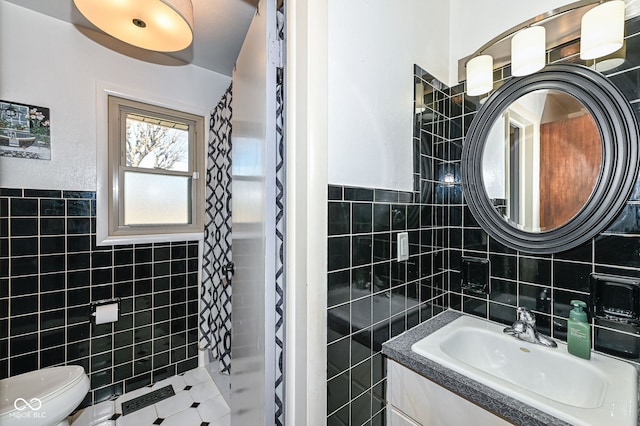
(414, 400)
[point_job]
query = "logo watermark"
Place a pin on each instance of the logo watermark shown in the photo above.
(28, 409)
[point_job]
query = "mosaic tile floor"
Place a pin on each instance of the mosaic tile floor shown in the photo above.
(197, 402)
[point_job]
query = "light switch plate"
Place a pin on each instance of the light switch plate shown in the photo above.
(403, 246)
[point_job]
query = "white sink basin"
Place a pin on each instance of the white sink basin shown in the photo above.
(600, 391)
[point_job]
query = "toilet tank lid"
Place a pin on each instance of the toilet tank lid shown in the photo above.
(41, 384)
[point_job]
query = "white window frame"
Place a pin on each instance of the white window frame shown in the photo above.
(109, 229)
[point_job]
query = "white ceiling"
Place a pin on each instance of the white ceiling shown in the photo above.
(220, 27)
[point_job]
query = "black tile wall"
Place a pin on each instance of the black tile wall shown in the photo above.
(51, 270)
(372, 298)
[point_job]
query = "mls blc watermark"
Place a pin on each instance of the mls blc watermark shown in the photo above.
(28, 409)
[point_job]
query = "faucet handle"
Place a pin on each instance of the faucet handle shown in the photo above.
(526, 316)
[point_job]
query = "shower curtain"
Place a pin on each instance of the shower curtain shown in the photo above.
(217, 266)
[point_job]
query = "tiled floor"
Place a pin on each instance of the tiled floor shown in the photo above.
(197, 402)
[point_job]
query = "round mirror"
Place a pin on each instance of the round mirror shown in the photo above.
(550, 159)
(543, 141)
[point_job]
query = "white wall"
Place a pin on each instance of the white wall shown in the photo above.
(50, 63)
(475, 22)
(373, 45)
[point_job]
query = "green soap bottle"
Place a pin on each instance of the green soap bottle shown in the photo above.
(579, 331)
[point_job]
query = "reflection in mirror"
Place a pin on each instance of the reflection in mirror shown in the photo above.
(541, 160)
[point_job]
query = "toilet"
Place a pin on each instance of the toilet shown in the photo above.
(43, 397)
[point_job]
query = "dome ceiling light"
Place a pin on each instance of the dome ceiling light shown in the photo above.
(160, 25)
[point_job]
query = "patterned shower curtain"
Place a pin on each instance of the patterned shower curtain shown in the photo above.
(217, 269)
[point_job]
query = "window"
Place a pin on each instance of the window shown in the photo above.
(155, 163)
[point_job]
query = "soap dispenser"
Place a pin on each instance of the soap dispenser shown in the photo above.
(579, 331)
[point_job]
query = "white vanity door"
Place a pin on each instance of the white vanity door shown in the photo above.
(429, 404)
(397, 418)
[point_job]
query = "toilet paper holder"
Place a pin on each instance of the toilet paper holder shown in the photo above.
(104, 302)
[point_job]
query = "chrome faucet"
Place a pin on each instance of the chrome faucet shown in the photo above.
(525, 329)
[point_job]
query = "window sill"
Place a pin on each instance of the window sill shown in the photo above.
(145, 239)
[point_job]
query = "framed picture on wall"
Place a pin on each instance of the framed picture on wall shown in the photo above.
(25, 131)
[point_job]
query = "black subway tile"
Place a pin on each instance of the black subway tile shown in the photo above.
(123, 256)
(52, 245)
(335, 192)
(78, 350)
(24, 227)
(123, 273)
(23, 344)
(361, 247)
(50, 226)
(142, 254)
(177, 267)
(23, 364)
(338, 288)
(21, 286)
(629, 83)
(101, 292)
(617, 251)
(358, 194)
(78, 314)
(42, 193)
(10, 192)
(534, 270)
(78, 243)
(25, 324)
(52, 300)
(143, 286)
(52, 207)
(161, 253)
(101, 259)
(178, 251)
(101, 276)
(53, 356)
(52, 319)
(78, 226)
(24, 207)
(4, 288)
(24, 266)
(339, 218)
(78, 207)
(77, 279)
(79, 194)
(53, 338)
(101, 378)
(381, 217)
(80, 296)
(4, 247)
(398, 217)
(77, 261)
(338, 253)
(362, 218)
(385, 195)
(52, 263)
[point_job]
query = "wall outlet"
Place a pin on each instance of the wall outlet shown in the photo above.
(403, 246)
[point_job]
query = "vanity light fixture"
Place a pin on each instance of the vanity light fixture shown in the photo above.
(528, 51)
(480, 75)
(612, 60)
(160, 25)
(602, 30)
(597, 24)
